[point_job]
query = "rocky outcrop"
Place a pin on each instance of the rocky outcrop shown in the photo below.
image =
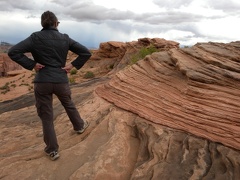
(173, 115)
(191, 89)
(114, 49)
(6, 65)
(114, 56)
(118, 145)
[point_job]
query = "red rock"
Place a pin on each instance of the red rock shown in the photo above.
(191, 89)
(6, 64)
(173, 115)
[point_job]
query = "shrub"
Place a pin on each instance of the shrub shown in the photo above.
(5, 87)
(143, 52)
(13, 85)
(71, 80)
(24, 84)
(89, 74)
(73, 71)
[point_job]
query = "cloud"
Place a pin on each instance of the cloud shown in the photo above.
(12, 5)
(96, 13)
(230, 6)
(169, 4)
(95, 21)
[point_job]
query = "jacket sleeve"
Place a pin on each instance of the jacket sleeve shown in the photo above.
(82, 52)
(16, 53)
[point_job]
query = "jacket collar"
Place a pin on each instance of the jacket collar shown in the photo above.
(50, 28)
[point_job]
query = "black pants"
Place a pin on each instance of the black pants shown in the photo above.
(44, 98)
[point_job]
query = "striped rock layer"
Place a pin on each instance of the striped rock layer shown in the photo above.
(195, 89)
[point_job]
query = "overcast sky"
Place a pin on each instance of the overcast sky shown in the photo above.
(91, 22)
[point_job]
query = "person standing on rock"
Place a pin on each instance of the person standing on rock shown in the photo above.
(49, 49)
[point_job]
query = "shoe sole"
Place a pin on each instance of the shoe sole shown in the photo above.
(84, 128)
(53, 158)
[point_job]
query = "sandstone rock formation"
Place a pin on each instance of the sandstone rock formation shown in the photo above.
(6, 65)
(114, 56)
(173, 115)
(192, 89)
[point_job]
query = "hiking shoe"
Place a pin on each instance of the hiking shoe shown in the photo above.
(53, 155)
(86, 124)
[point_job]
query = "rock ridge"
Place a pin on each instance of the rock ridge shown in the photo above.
(192, 89)
(172, 115)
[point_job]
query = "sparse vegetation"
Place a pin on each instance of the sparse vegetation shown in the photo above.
(24, 84)
(30, 88)
(71, 80)
(89, 74)
(73, 71)
(5, 88)
(143, 53)
(14, 83)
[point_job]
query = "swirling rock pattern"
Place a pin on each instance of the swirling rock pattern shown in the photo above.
(173, 115)
(194, 89)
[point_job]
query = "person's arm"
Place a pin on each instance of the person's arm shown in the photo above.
(16, 53)
(83, 53)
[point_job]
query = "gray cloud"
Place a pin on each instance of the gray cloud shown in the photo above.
(92, 24)
(169, 4)
(168, 18)
(9, 5)
(86, 10)
(229, 6)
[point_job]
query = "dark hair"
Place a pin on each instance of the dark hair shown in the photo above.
(48, 19)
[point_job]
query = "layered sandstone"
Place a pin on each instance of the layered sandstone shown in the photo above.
(193, 89)
(114, 56)
(172, 115)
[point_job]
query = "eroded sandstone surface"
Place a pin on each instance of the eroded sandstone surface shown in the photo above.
(173, 115)
(6, 65)
(193, 89)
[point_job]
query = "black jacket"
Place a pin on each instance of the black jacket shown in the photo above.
(49, 47)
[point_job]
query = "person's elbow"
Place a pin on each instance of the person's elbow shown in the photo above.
(14, 54)
(89, 55)
(11, 53)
